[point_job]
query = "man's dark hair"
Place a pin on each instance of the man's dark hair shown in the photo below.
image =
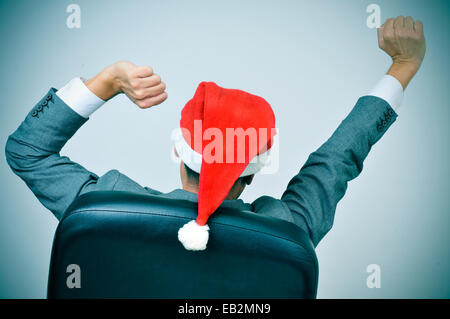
(195, 177)
(192, 176)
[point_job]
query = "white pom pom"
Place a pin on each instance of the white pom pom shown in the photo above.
(193, 236)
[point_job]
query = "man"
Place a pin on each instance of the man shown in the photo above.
(311, 197)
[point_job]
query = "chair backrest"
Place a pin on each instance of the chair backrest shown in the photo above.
(125, 245)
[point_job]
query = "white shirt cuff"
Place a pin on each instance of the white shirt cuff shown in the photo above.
(390, 90)
(79, 98)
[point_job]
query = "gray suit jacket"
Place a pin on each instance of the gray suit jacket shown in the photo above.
(33, 153)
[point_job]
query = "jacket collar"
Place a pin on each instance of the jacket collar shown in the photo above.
(228, 203)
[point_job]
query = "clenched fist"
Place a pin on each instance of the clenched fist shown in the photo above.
(403, 39)
(139, 83)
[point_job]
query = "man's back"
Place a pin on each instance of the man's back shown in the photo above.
(309, 201)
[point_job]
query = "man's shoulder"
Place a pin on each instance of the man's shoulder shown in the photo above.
(114, 180)
(270, 206)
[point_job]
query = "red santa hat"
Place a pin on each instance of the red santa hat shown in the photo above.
(224, 134)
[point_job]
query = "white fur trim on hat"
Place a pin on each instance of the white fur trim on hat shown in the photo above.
(193, 236)
(193, 159)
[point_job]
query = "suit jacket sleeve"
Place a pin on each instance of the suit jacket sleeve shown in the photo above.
(32, 152)
(312, 195)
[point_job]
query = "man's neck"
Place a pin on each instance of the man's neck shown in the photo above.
(191, 188)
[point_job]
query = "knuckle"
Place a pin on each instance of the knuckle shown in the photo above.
(147, 104)
(140, 104)
(400, 33)
(389, 36)
(149, 69)
(134, 84)
(140, 95)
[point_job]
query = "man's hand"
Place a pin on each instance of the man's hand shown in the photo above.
(139, 83)
(403, 39)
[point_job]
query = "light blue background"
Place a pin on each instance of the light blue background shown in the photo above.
(310, 59)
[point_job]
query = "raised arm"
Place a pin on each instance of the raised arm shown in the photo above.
(32, 151)
(313, 194)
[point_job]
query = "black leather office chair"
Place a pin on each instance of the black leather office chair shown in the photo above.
(126, 246)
